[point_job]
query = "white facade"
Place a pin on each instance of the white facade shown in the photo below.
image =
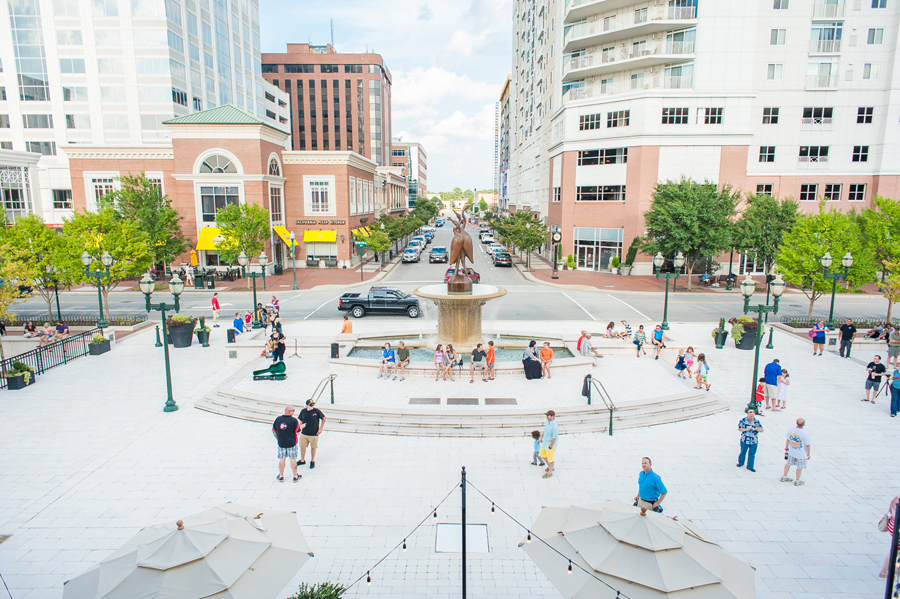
(412, 156)
(111, 71)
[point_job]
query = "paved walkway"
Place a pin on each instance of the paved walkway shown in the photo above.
(87, 457)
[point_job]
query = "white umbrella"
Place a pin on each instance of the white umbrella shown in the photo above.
(228, 552)
(645, 557)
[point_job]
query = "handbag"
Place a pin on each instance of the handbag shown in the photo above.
(812, 333)
(883, 523)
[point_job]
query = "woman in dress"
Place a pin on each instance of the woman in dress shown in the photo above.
(450, 359)
(819, 338)
(610, 330)
(531, 362)
(784, 381)
(439, 361)
(640, 338)
(892, 512)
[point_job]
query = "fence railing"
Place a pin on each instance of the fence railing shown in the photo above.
(58, 353)
(858, 321)
(75, 320)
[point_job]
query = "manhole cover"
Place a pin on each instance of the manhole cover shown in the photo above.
(432, 401)
(500, 401)
(462, 401)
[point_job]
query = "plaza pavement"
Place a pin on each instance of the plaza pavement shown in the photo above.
(87, 457)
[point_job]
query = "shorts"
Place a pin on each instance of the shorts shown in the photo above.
(287, 452)
(547, 452)
(893, 351)
(771, 391)
(490, 364)
(819, 340)
(798, 462)
(870, 384)
(309, 441)
(645, 504)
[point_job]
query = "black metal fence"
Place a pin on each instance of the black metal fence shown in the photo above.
(58, 353)
(76, 320)
(858, 321)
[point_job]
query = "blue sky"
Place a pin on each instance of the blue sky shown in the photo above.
(448, 58)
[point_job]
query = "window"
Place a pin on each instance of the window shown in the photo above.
(817, 115)
(619, 118)
(194, 51)
(106, 8)
(6, 145)
(217, 164)
(46, 148)
(588, 122)
(767, 153)
(298, 68)
(319, 195)
(637, 81)
(640, 15)
(179, 97)
(875, 37)
(770, 116)
(808, 192)
(4, 121)
(605, 156)
(198, 104)
(879, 3)
(780, 4)
(857, 192)
(775, 72)
(71, 65)
(274, 168)
(62, 199)
(37, 121)
(152, 66)
(711, 116)
(353, 68)
(557, 194)
(328, 68)
(102, 186)
(764, 189)
(2, 93)
(398, 152)
(833, 192)
(110, 66)
(860, 153)
(275, 203)
(870, 70)
(600, 193)
(864, 115)
(68, 37)
(213, 199)
(813, 153)
(115, 121)
(674, 116)
(75, 94)
(777, 36)
(270, 68)
(78, 121)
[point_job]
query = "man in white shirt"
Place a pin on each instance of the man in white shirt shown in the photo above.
(796, 447)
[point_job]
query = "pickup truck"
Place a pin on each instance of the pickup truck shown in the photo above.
(381, 300)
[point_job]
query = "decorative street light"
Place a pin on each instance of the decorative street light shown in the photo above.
(658, 261)
(382, 253)
(106, 260)
(176, 286)
(826, 261)
(556, 238)
(243, 260)
(748, 286)
(293, 257)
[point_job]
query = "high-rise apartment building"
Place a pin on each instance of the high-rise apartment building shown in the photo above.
(337, 101)
(412, 157)
(503, 134)
(789, 98)
(109, 72)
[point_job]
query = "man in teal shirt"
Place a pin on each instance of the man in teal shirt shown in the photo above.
(651, 490)
(549, 440)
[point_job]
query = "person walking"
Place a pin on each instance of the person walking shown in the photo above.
(549, 441)
(797, 447)
(750, 428)
(848, 334)
(477, 355)
(873, 380)
(215, 309)
(536, 459)
(285, 430)
(894, 379)
(702, 377)
(238, 324)
(784, 381)
(689, 360)
(894, 347)
(491, 359)
(771, 372)
(640, 338)
(658, 340)
(439, 362)
(889, 525)
(347, 327)
(402, 360)
(188, 275)
(680, 364)
(275, 304)
(651, 490)
(388, 361)
(313, 426)
(818, 336)
(546, 359)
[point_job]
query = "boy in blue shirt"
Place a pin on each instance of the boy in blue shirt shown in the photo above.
(549, 439)
(536, 459)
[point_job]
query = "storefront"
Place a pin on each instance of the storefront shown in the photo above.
(594, 247)
(321, 247)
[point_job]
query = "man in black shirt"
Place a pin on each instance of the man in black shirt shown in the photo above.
(313, 425)
(285, 431)
(477, 355)
(848, 334)
(873, 380)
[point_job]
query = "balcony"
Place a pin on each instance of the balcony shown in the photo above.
(626, 58)
(813, 162)
(624, 86)
(824, 46)
(829, 11)
(580, 9)
(821, 81)
(611, 29)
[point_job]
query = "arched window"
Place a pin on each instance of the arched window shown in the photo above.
(274, 169)
(217, 164)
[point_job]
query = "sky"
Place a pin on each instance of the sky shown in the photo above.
(448, 59)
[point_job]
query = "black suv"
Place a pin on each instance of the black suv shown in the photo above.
(437, 254)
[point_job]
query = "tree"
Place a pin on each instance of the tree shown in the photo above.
(12, 274)
(244, 228)
(140, 201)
(483, 206)
(760, 230)
(425, 209)
(890, 286)
(881, 229)
(522, 230)
(692, 218)
(103, 231)
(378, 240)
(813, 235)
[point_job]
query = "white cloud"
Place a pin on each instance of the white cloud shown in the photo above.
(432, 85)
(425, 13)
(463, 43)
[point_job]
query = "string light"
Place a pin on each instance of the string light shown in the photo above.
(570, 567)
(492, 507)
(529, 537)
(368, 579)
(435, 514)
(404, 545)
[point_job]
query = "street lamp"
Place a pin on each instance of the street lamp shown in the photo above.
(748, 286)
(658, 261)
(106, 260)
(556, 238)
(243, 260)
(826, 261)
(176, 286)
(382, 253)
(293, 259)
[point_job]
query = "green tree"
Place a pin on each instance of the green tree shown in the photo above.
(378, 240)
(140, 201)
(103, 231)
(881, 229)
(425, 209)
(761, 228)
(890, 285)
(813, 235)
(690, 217)
(13, 272)
(244, 228)
(483, 206)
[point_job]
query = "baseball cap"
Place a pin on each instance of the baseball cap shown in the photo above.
(310, 402)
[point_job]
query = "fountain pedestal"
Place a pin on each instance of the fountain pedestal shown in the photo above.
(459, 314)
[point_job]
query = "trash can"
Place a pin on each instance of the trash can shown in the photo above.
(210, 282)
(199, 281)
(335, 351)
(230, 334)
(279, 269)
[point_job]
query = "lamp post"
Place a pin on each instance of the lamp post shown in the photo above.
(556, 238)
(748, 286)
(658, 261)
(293, 258)
(382, 253)
(243, 260)
(826, 261)
(176, 286)
(106, 260)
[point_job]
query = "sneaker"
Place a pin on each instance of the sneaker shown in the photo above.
(301, 463)
(279, 478)
(395, 377)
(784, 479)
(312, 465)
(379, 376)
(798, 483)
(298, 477)
(751, 469)
(402, 378)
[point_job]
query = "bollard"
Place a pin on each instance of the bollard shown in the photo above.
(158, 344)
(770, 346)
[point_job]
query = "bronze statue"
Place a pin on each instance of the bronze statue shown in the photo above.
(460, 248)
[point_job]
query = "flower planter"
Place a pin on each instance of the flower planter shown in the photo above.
(626, 270)
(748, 340)
(181, 336)
(614, 270)
(203, 338)
(721, 337)
(17, 381)
(95, 349)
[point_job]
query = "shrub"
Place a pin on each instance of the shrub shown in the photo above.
(614, 263)
(570, 263)
(203, 326)
(326, 590)
(741, 324)
(178, 320)
(98, 339)
(632, 251)
(17, 368)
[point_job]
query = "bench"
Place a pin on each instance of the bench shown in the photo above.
(275, 372)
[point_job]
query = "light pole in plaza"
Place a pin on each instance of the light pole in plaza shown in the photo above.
(556, 238)
(176, 286)
(106, 260)
(748, 286)
(293, 258)
(382, 253)
(826, 261)
(658, 261)
(243, 260)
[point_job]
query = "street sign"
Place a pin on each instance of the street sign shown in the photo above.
(360, 243)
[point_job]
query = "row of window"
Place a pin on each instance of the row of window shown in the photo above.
(784, 4)
(323, 68)
(826, 37)
(812, 115)
(814, 154)
(600, 193)
(823, 73)
(831, 192)
(856, 192)
(605, 156)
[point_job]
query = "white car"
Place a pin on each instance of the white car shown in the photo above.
(410, 255)
(493, 248)
(487, 238)
(416, 245)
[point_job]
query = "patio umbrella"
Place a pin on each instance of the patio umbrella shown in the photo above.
(644, 557)
(228, 552)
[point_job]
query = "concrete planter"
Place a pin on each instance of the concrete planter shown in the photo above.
(182, 336)
(17, 381)
(626, 270)
(748, 340)
(95, 349)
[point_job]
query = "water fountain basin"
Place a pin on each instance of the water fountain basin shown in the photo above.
(459, 315)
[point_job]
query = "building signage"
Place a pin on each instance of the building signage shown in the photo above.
(321, 222)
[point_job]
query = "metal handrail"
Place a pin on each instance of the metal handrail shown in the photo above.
(57, 353)
(605, 397)
(320, 388)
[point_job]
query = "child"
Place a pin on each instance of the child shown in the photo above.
(702, 372)
(689, 359)
(680, 365)
(761, 394)
(490, 360)
(535, 459)
(784, 382)
(546, 358)
(248, 318)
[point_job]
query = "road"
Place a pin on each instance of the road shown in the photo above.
(524, 300)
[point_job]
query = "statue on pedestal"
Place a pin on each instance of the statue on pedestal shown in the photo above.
(460, 248)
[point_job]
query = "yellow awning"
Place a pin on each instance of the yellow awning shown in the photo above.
(284, 234)
(207, 234)
(361, 232)
(320, 236)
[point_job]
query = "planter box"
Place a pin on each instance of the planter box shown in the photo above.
(721, 338)
(182, 335)
(203, 338)
(95, 349)
(626, 270)
(748, 340)
(18, 381)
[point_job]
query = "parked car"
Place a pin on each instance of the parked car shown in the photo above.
(429, 235)
(410, 255)
(487, 238)
(476, 278)
(438, 254)
(380, 300)
(502, 258)
(493, 248)
(421, 238)
(417, 245)
(439, 222)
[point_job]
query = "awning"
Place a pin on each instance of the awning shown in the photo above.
(207, 235)
(361, 232)
(284, 234)
(320, 236)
